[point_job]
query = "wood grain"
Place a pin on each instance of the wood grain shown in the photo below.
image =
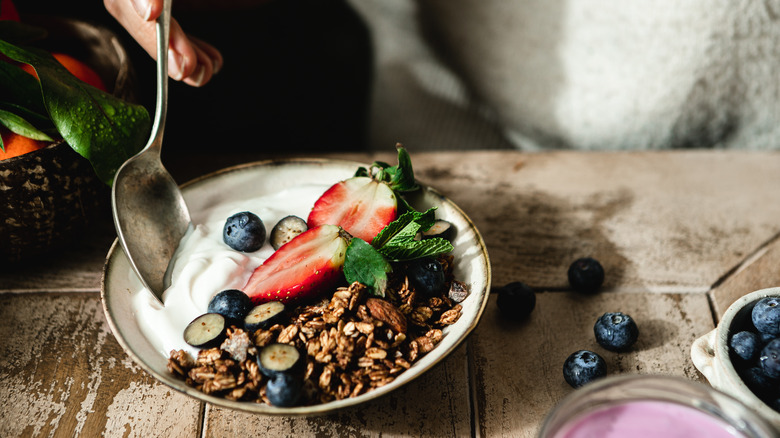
(758, 272)
(518, 367)
(64, 375)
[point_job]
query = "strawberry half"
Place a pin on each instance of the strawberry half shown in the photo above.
(302, 268)
(360, 205)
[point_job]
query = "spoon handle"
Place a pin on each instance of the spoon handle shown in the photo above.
(161, 104)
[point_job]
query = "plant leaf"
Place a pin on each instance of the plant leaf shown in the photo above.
(415, 249)
(405, 227)
(100, 127)
(20, 88)
(402, 176)
(364, 264)
(21, 126)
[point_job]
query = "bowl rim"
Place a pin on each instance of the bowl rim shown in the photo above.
(310, 410)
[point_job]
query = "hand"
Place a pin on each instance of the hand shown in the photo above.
(190, 60)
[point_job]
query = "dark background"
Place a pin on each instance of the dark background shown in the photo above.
(296, 77)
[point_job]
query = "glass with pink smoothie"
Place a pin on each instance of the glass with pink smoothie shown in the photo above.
(652, 406)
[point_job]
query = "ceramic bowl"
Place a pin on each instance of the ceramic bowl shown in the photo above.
(51, 194)
(121, 288)
(710, 353)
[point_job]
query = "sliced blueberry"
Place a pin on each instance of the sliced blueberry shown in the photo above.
(427, 276)
(766, 316)
(263, 316)
(583, 367)
(440, 228)
(286, 230)
(276, 359)
(586, 275)
(615, 331)
(233, 304)
(516, 301)
(284, 390)
(206, 331)
(745, 345)
(770, 359)
(244, 232)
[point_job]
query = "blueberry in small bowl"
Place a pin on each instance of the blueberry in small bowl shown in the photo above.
(741, 356)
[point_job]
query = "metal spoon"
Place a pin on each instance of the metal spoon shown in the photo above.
(150, 214)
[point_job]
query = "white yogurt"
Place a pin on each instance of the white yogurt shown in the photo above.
(204, 265)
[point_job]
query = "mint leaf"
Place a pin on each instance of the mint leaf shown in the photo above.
(405, 227)
(102, 128)
(364, 264)
(397, 240)
(415, 249)
(402, 176)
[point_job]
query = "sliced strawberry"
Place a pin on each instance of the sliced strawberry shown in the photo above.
(302, 268)
(360, 205)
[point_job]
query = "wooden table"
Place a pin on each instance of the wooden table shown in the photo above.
(680, 234)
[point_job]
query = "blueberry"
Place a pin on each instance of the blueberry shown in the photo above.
(427, 276)
(233, 304)
(516, 301)
(758, 382)
(745, 345)
(770, 359)
(766, 316)
(586, 275)
(244, 232)
(615, 331)
(284, 390)
(583, 367)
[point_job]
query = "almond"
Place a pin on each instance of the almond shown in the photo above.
(387, 313)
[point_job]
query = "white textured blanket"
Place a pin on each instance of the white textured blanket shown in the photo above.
(582, 74)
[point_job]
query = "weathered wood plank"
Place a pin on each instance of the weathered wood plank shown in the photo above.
(65, 375)
(671, 221)
(518, 367)
(434, 405)
(758, 272)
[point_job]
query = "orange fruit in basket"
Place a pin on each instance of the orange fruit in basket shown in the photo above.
(76, 68)
(16, 144)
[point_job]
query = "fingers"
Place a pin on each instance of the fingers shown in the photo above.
(190, 60)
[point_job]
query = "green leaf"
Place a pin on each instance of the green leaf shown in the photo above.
(405, 227)
(21, 126)
(102, 128)
(397, 240)
(364, 264)
(415, 249)
(20, 88)
(402, 179)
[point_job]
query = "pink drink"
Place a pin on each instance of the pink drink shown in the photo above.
(645, 419)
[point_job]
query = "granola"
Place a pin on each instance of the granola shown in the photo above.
(352, 343)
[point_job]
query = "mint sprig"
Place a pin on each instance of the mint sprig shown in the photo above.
(369, 264)
(400, 177)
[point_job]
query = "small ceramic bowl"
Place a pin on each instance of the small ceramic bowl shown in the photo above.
(51, 194)
(710, 354)
(122, 292)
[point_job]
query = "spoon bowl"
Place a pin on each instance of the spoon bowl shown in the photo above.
(150, 214)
